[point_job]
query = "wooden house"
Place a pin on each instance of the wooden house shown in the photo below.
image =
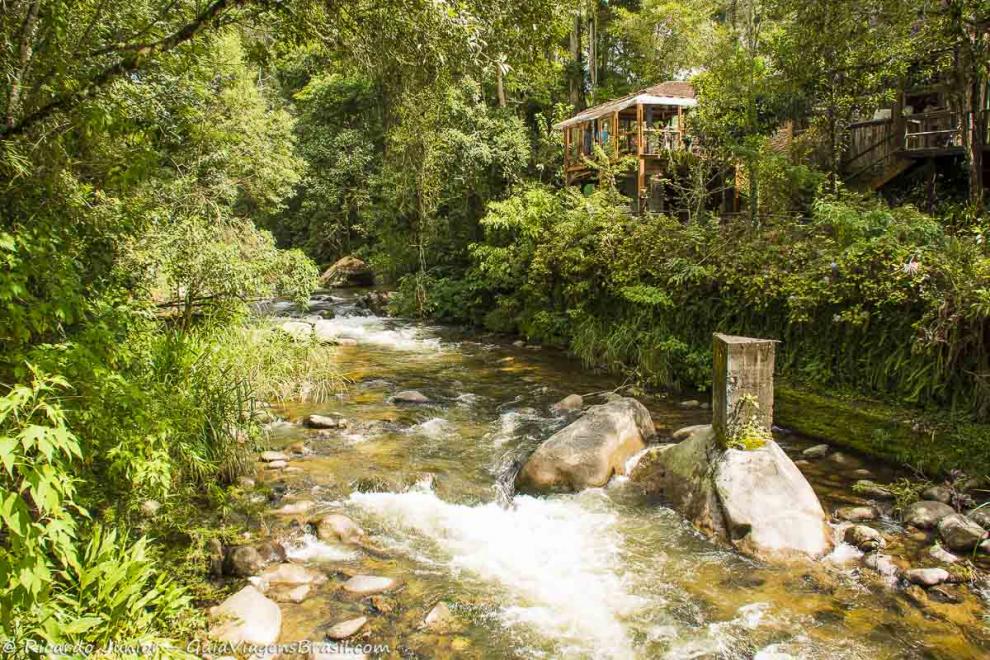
(646, 125)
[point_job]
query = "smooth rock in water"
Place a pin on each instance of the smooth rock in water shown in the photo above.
(298, 448)
(347, 341)
(325, 422)
(865, 538)
(690, 403)
(366, 585)
(862, 473)
(272, 456)
(839, 457)
(245, 482)
(882, 564)
(242, 561)
(686, 432)
(960, 533)
(440, 620)
(292, 574)
(941, 494)
(941, 554)
(519, 343)
(980, 516)
(569, 403)
(926, 577)
(276, 465)
(345, 629)
(271, 551)
(246, 617)
(818, 451)
(867, 487)
(756, 500)
(855, 513)
(587, 452)
(348, 271)
(925, 514)
(290, 594)
(295, 508)
(299, 330)
(338, 527)
(410, 396)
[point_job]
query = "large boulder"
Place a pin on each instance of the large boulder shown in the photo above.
(960, 533)
(755, 499)
(925, 514)
(247, 617)
(348, 271)
(586, 453)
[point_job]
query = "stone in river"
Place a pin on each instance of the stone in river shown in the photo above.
(292, 574)
(867, 487)
(298, 330)
(587, 452)
(410, 396)
(290, 593)
(569, 403)
(925, 514)
(941, 554)
(686, 432)
(276, 465)
(242, 561)
(272, 456)
(325, 422)
(926, 577)
(865, 538)
(960, 533)
(818, 451)
(247, 617)
(345, 629)
(980, 516)
(366, 585)
(882, 564)
(297, 447)
(295, 508)
(855, 513)
(338, 527)
(941, 494)
(690, 403)
(440, 620)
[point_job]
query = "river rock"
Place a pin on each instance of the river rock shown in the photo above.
(271, 551)
(290, 593)
(276, 465)
(338, 527)
(757, 500)
(346, 272)
(272, 456)
(926, 577)
(941, 554)
(941, 494)
(295, 508)
(245, 481)
(925, 514)
(818, 451)
(325, 422)
(882, 564)
(855, 513)
(242, 561)
(587, 452)
(410, 396)
(690, 403)
(298, 448)
(298, 330)
(867, 487)
(247, 617)
(345, 629)
(960, 533)
(980, 516)
(684, 433)
(366, 585)
(440, 620)
(865, 538)
(292, 574)
(569, 403)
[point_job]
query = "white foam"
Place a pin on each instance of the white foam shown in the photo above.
(435, 428)
(310, 548)
(509, 424)
(373, 330)
(557, 559)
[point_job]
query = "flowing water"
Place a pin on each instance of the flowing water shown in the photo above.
(604, 573)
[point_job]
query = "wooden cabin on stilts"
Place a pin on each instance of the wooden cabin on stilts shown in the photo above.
(647, 125)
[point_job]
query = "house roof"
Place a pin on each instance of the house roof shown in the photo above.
(672, 92)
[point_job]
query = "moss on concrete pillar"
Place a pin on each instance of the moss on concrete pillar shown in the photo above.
(742, 390)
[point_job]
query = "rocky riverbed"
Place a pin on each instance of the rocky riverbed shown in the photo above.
(386, 519)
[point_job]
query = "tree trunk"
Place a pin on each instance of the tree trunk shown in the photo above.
(577, 65)
(500, 85)
(24, 53)
(593, 48)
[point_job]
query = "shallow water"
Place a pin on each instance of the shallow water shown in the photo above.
(604, 573)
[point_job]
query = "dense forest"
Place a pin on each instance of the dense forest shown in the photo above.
(166, 165)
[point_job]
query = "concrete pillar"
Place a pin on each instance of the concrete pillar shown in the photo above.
(743, 368)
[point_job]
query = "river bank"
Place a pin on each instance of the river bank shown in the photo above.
(607, 572)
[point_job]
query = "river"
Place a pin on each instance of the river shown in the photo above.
(605, 573)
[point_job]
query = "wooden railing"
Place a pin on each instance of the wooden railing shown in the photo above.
(932, 130)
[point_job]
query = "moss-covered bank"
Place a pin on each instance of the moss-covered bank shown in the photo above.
(930, 443)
